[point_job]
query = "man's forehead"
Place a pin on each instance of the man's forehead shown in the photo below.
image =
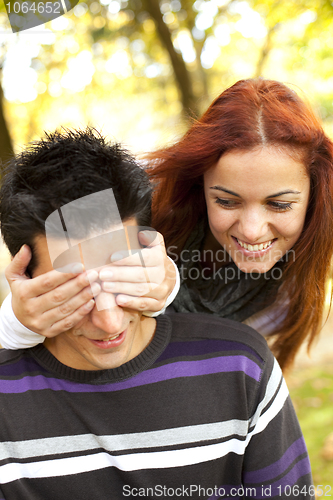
(95, 250)
(101, 246)
(87, 230)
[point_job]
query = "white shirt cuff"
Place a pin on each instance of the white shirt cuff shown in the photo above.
(14, 335)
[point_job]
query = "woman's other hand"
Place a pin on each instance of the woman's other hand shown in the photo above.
(141, 287)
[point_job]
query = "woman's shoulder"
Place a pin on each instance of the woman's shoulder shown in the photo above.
(268, 320)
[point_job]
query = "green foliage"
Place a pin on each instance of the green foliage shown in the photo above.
(312, 394)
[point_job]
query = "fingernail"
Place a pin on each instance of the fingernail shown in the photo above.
(121, 301)
(95, 288)
(105, 274)
(149, 235)
(118, 256)
(21, 250)
(89, 305)
(91, 276)
(109, 287)
(77, 268)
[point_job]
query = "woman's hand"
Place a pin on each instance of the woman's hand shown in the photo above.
(141, 287)
(53, 302)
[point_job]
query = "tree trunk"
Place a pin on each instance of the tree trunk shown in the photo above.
(6, 147)
(182, 75)
(265, 51)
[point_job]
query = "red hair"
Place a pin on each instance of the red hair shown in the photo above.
(249, 114)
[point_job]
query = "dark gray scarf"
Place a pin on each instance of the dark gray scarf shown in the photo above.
(227, 292)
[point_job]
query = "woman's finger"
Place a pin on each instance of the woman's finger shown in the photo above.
(69, 321)
(136, 289)
(140, 303)
(42, 323)
(63, 293)
(136, 274)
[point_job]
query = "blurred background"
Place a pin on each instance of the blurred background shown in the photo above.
(140, 70)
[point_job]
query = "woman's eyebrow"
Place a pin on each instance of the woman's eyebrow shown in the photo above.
(281, 193)
(220, 188)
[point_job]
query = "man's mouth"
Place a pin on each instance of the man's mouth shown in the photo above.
(111, 338)
(258, 247)
(110, 342)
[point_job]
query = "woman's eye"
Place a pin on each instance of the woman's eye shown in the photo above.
(226, 203)
(280, 206)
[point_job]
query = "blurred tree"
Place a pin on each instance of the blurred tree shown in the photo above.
(182, 75)
(134, 58)
(6, 148)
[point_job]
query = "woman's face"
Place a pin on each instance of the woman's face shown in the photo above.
(256, 204)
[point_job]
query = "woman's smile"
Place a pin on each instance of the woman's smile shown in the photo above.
(257, 249)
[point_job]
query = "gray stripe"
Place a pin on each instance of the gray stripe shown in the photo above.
(84, 442)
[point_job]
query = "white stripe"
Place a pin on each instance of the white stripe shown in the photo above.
(153, 439)
(271, 389)
(263, 420)
(137, 461)
(273, 410)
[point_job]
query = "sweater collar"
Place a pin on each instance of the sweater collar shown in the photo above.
(136, 365)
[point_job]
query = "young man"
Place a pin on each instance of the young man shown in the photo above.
(123, 405)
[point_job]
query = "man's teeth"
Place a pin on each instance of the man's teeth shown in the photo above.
(111, 338)
(254, 248)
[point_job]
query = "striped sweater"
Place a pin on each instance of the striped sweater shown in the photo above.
(203, 412)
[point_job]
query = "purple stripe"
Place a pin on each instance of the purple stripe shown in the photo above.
(274, 470)
(277, 489)
(300, 469)
(200, 347)
(159, 374)
(267, 490)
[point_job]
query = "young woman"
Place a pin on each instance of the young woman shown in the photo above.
(244, 201)
(254, 176)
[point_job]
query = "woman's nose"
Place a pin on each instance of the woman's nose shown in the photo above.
(253, 225)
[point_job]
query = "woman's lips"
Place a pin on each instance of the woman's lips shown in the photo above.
(110, 342)
(256, 250)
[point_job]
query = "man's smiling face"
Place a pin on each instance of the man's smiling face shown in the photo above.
(105, 338)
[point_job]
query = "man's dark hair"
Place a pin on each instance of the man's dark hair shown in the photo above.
(61, 168)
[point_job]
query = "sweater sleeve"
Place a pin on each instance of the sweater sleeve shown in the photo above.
(276, 461)
(2, 496)
(14, 335)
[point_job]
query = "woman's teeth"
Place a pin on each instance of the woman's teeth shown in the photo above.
(254, 248)
(110, 338)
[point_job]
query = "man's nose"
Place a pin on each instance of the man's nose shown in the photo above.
(253, 225)
(107, 315)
